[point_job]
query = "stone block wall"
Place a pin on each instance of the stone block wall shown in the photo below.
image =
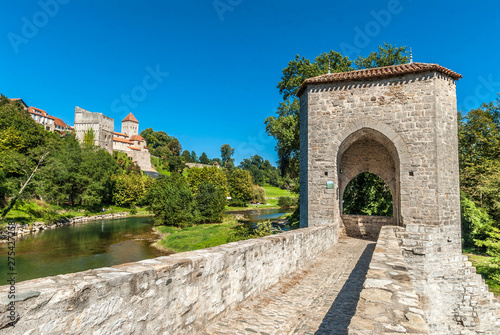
(364, 226)
(177, 294)
(455, 299)
(142, 158)
(102, 125)
(388, 303)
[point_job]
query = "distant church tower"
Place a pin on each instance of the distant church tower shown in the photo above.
(130, 125)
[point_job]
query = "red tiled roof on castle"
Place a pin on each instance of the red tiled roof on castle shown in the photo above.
(378, 72)
(130, 117)
(118, 139)
(137, 138)
(120, 134)
(135, 148)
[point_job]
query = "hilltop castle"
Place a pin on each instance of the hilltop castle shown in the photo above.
(128, 141)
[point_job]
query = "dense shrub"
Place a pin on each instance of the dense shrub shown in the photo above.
(240, 184)
(213, 175)
(130, 189)
(258, 194)
(209, 203)
(170, 199)
(237, 203)
(286, 202)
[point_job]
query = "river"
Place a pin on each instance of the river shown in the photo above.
(91, 245)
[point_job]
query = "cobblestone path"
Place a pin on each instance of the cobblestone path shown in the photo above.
(320, 299)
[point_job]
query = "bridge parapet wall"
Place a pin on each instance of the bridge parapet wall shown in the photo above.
(388, 303)
(364, 226)
(177, 294)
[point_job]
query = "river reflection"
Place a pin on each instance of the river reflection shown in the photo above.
(80, 247)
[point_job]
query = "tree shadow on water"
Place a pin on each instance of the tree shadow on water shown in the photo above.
(339, 316)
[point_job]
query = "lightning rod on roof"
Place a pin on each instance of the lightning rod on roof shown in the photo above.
(411, 56)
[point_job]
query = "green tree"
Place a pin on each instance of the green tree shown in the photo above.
(129, 189)
(212, 175)
(367, 194)
(194, 157)
(175, 146)
(171, 201)
(262, 171)
(89, 137)
(226, 152)
(240, 185)
(186, 155)
(479, 154)
(204, 159)
(24, 146)
(386, 55)
(209, 203)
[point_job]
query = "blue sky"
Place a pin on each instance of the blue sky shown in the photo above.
(206, 71)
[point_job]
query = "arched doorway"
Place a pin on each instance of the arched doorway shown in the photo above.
(367, 194)
(368, 151)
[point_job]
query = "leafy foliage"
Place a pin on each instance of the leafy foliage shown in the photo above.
(262, 171)
(209, 203)
(212, 175)
(386, 55)
(226, 152)
(287, 202)
(89, 137)
(130, 189)
(240, 185)
(170, 199)
(204, 159)
(367, 194)
(258, 194)
(167, 148)
(479, 153)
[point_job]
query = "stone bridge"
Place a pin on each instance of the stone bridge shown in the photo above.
(329, 277)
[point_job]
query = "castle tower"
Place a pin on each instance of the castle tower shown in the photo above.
(130, 125)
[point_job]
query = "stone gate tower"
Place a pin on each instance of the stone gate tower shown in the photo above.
(400, 123)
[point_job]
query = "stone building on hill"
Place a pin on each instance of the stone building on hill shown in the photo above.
(101, 124)
(128, 141)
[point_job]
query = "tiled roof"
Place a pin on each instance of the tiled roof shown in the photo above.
(120, 134)
(378, 72)
(60, 123)
(130, 117)
(38, 111)
(117, 139)
(135, 148)
(137, 138)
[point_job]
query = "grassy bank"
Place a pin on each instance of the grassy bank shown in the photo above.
(272, 195)
(481, 263)
(209, 235)
(199, 236)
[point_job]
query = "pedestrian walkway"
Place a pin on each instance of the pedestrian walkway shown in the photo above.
(320, 299)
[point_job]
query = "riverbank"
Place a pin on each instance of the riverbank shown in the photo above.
(233, 228)
(25, 229)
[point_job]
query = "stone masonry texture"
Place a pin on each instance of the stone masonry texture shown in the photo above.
(402, 126)
(177, 294)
